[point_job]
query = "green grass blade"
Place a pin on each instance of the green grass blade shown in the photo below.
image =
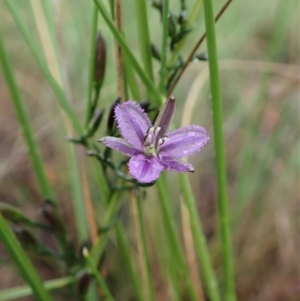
(60, 95)
(145, 249)
(164, 48)
(133, 274)
(144, 37)
(172, 236)
(130, 56)
(35, 156)
(24, 291)
(22, 261)
(207, 272)
(220, 151)
(91, 63)
(97, 275)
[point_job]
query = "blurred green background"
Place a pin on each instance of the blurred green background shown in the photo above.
(258, 44)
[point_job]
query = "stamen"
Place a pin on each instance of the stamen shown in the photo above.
(148, 140)
(161, 141)
(156, 130)
(151, 130)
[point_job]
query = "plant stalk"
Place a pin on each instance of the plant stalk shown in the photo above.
(223, 213)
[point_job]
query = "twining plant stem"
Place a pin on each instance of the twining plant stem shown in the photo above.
(144, 37)
(36, 160)
(24, 291)
(106, 292)
(22, 261)
(220, 151)
(91, 64)
(172, 237)
(164, 47)
(131, 58)
(135, 279)
(207, 273)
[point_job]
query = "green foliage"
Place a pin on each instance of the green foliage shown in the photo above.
(252, 126)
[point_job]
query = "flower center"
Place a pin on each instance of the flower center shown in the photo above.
(153, 141)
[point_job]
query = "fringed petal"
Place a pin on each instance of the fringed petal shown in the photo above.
(184, 142)
(145, 169)
(133, 123)
(119, 145)
(177, 165)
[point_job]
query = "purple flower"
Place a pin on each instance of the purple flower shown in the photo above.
(151, 147)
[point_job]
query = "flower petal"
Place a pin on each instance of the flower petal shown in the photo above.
(119, 144)
(165, 115)
(133, 123)
(184, 142)
(177, 165)
(145, 169)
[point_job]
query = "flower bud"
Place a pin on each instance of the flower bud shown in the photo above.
(155, 53)
(111, 115)
(51, 214)
(157, 4)
(83, 283)
(100, 60)
(26, 238)
(12, 213)
(145, 105)
(95, 123)
(171, 25)
(201, 56)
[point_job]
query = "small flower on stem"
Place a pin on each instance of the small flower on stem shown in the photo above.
(151, 147)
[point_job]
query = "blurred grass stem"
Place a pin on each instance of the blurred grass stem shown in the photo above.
(24, 291)
(194, 50)
(207, 273)
(220, 151)
(172, 237)
(144, 37)
(23, 263)
(34, 154)
(91, 65)
(106, 292)
(164, 46)
(127, 51)
(137, 202)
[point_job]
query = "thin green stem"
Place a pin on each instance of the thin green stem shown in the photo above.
(135, 279)
(220, 151)
(79, 206)
(80, 215)
(112, 209)
(98, 276)
(191, 19)
(131, 58)
(24, 291)
(131, 81)
(145, 254)
(172, 237)
(105, 191)
(43, 65)
(164, 47)
(207, 272)
(35, 156)
(144, 37)
(91, 64)
(22, 261)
